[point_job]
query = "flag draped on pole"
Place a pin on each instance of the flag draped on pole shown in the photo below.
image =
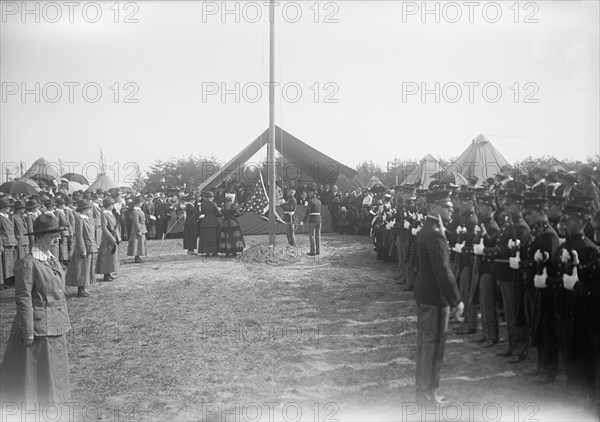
(258, 201)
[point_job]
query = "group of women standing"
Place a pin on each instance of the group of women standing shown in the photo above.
(213, 229)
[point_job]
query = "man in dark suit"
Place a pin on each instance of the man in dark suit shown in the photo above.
(313, 216)
(436, 294)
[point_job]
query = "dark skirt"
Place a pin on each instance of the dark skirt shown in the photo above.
(81, 270)
(35, 374)
(209, 239)
(190, 236)
(8, 261)
(231, 238)
(108, 261)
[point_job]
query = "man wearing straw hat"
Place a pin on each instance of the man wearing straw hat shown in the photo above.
(137, 237)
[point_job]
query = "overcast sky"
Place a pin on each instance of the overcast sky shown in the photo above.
(360, 69)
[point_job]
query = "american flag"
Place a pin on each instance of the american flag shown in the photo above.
(258, 201)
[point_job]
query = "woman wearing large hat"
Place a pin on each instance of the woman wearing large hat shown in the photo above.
(35, 368)
(108, 253)
(81, 272)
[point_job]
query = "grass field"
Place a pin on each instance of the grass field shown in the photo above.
(182, 337)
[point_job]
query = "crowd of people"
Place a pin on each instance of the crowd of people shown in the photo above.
(527, 249)
(522, 249)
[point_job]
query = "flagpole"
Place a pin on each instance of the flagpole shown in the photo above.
(271, 153)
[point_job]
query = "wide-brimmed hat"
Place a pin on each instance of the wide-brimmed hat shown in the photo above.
(31, 204)
(19, 205)
(107, 201)
(46, 223)
(4, 203)
(587, 171)
(83, 204)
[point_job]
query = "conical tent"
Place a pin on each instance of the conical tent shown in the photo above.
(555, 165)
(42, 169)
(422, 174)
(374, 182)
(103, 182)
(344, 183)
(480, 159)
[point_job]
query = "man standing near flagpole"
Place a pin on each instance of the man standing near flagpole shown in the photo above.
(313, 216)
(436, 293)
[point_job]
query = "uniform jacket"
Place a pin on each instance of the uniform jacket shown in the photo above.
(110, 228)
(40, 298)
(435, 284)
(7, 231)
(314, 206)
(138, 221)
(85, 235)
(512, 229)
(20, 224)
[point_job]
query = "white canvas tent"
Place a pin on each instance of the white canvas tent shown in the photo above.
(422, 175)
(480, 159)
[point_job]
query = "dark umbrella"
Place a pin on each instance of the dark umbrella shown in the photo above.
(18, 188)
(75, 177)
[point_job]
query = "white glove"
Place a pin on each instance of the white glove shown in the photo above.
(565, 256)
(561, 240)
(389, 225)
(570, 280)
(540, 257)
(483, 230)
(539, 281)
(458, 312)
(460, 230)
(477, 230)
(415, 231)
(511, 244)
(459, 247)
(575, 257)
(514, 262)
(479, 247)
(406, 225)
(419, 217)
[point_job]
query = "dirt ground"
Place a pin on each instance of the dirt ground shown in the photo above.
(184, 337)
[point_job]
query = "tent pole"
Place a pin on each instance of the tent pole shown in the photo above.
(271, 154)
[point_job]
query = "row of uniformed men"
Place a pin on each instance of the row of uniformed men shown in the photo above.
(538, 253)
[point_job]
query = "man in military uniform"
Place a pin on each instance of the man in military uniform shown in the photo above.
(289, 209)
(579, 275)
(536, 261)
(462, 242)
(487, 287)
(513, 233)
(436, 293)
(313, 217)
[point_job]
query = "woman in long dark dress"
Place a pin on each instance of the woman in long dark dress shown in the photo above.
(209, 226)
(190, 231)
(35, 368)
(231, 239)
